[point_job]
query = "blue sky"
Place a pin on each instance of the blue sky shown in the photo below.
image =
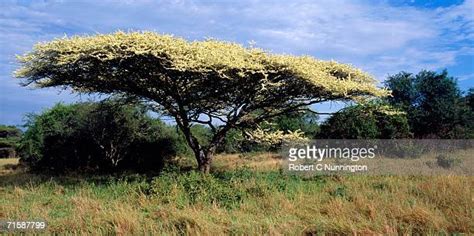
(381, 37)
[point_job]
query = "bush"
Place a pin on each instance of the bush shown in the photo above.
(8, 143)
(102, 136)
(7, 153)
(9, 137)
(405, 149)
(369, 121)
(9, 132)
(447, 161)
(225, 189)
(196, 187)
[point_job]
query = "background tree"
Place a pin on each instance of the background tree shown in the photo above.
(404, 91)
(368, 121)
(197, 82)
(305, 121)
(469, 98)
(433, 102)
(465, 128)
(237, 141)
(9, 137)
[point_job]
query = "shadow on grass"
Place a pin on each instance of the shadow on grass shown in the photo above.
(24, 178)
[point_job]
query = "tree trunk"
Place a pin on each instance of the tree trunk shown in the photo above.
(204, 161)
(203, 154)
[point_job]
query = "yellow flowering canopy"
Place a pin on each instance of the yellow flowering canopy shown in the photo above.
(220, 80)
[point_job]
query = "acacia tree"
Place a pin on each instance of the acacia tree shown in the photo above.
(219, 84)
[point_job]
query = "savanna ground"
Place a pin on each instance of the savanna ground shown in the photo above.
(245, 194)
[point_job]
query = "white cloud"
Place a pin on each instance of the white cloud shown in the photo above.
(466, 77)
(380, 38)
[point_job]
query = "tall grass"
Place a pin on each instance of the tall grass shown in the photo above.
(240, 201)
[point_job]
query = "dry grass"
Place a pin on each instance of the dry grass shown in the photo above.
(257, 201)
(261, 161)
(8, 165)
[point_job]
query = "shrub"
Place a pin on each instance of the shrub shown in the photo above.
(7, 153)
(102, 136)
(9, 137)
(7, 143)
(369, 121)
(225, 189)
(447, 161)
(405, 149)
(9, 132)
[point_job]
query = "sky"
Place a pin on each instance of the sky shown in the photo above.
(380, 37)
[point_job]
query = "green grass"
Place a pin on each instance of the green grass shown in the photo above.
(239, 201)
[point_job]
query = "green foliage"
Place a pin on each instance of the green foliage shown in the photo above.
(465, 128)
(225, 189)
(237, 142)
(102, 136)
(7, 152)
(368, 121)
(195, 187)
(8, 143)
(433, 103)
(306, 122)
(404, 91)
(202, 133)
(9, 131)
(9, 137)
(469, 98)
(232, 142)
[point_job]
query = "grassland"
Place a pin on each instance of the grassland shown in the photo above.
(244, 195)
